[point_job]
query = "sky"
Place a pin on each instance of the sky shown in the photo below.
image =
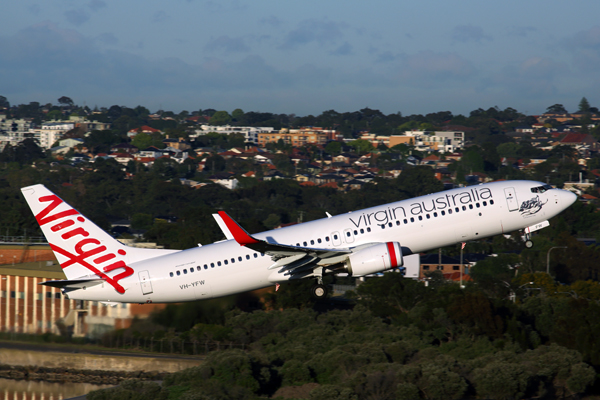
(302, 57)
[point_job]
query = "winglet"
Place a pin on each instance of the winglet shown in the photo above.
(223, 227)
(239, 234)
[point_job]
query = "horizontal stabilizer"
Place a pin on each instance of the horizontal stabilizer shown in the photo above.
(73, 283)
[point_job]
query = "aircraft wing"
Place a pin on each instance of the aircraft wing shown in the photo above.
(292, 259)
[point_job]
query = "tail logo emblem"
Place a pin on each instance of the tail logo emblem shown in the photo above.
(86, 248)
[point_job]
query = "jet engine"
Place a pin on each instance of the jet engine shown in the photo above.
(377, 258)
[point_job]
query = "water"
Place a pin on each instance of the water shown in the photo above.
(39, 390)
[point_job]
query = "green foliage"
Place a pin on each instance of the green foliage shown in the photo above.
(362, 146)
(143, 140)
(220, 118)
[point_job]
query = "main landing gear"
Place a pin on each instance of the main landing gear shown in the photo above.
(319, 291)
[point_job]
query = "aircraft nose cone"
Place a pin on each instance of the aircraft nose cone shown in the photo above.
(568, 198)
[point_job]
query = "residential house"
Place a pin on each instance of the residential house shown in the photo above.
(448, 266)
(179, 143)
(124, 148)
(580, 140)
(145, 129)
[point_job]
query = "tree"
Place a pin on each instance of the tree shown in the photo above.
(220, 118)
(584, 105)
(362, 146)
(144, 140)
(65, 101)
(237, 114)
(333, 147)
(556, 109)
(4, 102)
(54, 115)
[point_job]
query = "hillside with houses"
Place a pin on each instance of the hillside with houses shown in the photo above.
(339, 150)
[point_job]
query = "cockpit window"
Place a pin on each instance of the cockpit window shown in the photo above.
(541, 189)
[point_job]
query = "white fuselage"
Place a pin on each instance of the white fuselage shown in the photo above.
(418, 224)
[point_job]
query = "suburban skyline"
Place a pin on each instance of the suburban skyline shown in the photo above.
(302, 58)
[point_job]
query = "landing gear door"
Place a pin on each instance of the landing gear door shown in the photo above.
(511, 199)
(145, 282)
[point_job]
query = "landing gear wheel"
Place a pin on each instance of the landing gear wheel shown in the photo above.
(319, 291)
(529, 244)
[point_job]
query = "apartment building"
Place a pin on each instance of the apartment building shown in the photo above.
(299, 137)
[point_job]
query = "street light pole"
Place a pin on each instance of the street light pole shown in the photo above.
(548, 257)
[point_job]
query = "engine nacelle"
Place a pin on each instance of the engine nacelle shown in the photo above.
(376, 258)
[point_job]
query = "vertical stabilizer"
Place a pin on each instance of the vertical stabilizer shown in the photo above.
(81, 247)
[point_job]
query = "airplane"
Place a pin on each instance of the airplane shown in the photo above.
(359, 243)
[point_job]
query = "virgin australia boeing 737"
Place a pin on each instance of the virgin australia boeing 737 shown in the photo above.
(100, 268)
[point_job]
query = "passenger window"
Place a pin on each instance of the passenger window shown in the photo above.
(405, 221)
(477, 205)
(305, 244)
(247, 256)
(464, 208)
(335, 237)
(435, 214)
(427, 215)
(212, 265)
(492, 202)
(457, 209)
(255, 255)
(319, 240)
(348, 234)
(368, 229)
(312, 242)
(470, 206)
(226, 262)
(362, 231)
(178, 273)
(412, 219)
(191, 269)
(327, 238)
(233, 260)
(443, 213)
(484, 203)
(420, 218)
(240, 258)
(398, 223)
(171, 274)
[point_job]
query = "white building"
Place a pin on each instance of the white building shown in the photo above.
(9, 126)
(250, 132)
(51, 132)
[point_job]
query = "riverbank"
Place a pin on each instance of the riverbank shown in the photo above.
(79, 364)
(67, 375)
